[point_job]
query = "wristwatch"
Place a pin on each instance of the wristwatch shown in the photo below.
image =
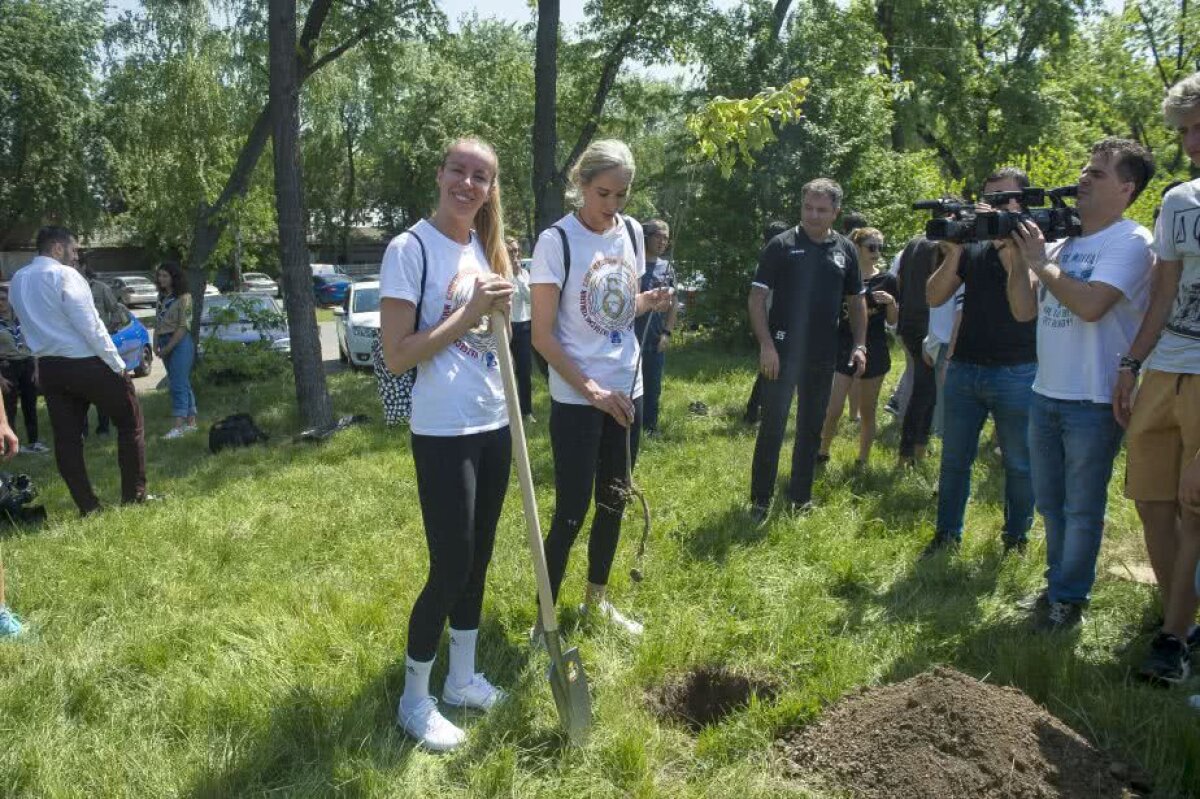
(860, 348)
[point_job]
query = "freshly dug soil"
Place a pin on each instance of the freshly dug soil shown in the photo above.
(944, 734)
(708, 694)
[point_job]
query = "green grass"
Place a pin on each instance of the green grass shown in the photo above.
(245, 637)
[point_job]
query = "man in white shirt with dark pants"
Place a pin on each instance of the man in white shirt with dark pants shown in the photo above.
(78, 366)
(1090, 295)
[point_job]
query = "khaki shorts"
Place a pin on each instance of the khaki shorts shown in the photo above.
(1164, 435)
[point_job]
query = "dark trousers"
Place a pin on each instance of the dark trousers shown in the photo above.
(22, 387)
(755, 402)
(653, 364)
(811, 383)
(589, 457)
(70, 386)
(461, 481)
(522, 352)
(918, 416)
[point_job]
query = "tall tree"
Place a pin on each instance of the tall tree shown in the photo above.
(311, 394)
(547, 194)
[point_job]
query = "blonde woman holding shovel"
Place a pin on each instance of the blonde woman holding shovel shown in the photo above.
(585, 298)
(439, 282)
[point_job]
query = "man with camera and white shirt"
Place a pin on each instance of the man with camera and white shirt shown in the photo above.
(1091, 293)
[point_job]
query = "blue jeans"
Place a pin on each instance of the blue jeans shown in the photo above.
(179, 375)
(653, 363)
(971, 393)
(1072, 446)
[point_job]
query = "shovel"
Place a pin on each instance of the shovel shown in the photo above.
(568, 682)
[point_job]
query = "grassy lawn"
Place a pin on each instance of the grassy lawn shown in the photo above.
(245, 636)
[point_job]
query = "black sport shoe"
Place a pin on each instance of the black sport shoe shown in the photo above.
(1058, 617)
(1167, 661)
(758, 513)
(1014, 546)
(940, 542)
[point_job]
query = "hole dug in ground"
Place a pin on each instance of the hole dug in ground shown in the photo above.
(944, 734)
(708, 694)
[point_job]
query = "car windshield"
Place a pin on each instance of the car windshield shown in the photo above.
(366, 300)
(244, 305)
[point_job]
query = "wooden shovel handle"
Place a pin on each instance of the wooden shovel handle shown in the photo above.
(516, 424)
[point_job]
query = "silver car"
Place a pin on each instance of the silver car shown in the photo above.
(258, 283)
(132, 290)
(245, 318)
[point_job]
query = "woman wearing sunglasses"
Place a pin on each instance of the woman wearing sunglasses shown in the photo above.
(881, 292)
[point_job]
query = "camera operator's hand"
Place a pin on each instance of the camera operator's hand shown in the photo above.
(768, 361)
(1031, 244)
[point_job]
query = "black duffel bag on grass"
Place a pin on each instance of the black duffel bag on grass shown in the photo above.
(238, 430)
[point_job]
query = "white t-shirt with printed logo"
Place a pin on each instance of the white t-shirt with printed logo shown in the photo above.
(597, 306)
(1078, 360)
(458, 391)
(1177, 238)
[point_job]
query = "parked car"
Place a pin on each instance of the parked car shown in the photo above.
(330, 290)
(258, 283)
(245, 318)
(133, 342)
(357, 323)
(210, 290)
(132, 290)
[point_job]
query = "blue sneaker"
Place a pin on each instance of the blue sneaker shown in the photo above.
(9, 626)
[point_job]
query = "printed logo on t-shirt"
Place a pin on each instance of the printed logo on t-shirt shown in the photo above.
(1185, 229)
(1079, 265)
(839, 260)
(608, 298)
(1185, 235)
(477, 343)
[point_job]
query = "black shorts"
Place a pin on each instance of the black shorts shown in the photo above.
(879, 361)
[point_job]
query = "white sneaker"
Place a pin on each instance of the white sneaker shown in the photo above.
(478, 694)
(428, 727)
(607, 611)
(192, 428)
(175, 432)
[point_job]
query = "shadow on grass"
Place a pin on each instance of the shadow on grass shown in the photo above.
(313, 746)
(717, 534)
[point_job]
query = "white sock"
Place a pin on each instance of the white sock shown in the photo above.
(462, 656)
(416, 682)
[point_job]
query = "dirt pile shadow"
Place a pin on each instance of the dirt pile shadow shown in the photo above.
(948, 735)
(708, 694)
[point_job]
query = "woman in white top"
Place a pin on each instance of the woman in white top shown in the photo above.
(585, 298)
(439, 282)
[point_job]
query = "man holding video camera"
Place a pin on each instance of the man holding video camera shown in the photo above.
(1091, 294)
(991, 371)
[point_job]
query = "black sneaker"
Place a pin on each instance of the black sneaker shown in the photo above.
(758, 513)
(1167, 662)
(1059, 617)
(1014, 546)
(940, 542)
(892, 408)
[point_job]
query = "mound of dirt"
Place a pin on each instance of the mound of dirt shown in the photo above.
(708, 694)
(948, 735)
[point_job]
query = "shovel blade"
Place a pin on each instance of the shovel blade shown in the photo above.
(569, 685)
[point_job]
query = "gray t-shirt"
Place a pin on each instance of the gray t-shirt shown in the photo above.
(1177, 238)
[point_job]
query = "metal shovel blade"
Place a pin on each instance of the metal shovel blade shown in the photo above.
(569, 685)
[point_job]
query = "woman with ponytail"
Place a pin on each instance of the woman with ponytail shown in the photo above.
(439, 283)
(585, 299)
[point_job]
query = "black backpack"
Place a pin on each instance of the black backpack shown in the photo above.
(238, 430)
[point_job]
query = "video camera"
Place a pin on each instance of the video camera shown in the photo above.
(966, 224)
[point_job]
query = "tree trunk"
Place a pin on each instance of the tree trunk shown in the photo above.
(350, 132)
(311, 395)
(547, 191)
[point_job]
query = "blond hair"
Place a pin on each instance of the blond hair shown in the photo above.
(600, 156)
(1182, 100)
(489, 219)
(860, 234)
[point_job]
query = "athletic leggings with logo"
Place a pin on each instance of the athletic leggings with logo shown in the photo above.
(589, 457)
(461, 481)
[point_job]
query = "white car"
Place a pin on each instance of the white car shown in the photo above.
(357, 323)
(132, 290)
(210, 290)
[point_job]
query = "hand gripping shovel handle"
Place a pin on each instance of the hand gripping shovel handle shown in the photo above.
(516, 424)
(568, 682)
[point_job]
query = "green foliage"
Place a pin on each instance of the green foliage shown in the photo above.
(50, 152)
(225, 363)
(729, 132)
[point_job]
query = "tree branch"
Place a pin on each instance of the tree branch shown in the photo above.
(1162, 73)
(318, 12)
(306, 71)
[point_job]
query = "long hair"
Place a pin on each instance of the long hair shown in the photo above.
(179, 283)
(489, 219)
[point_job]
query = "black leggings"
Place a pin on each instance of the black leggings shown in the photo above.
(21, 385)
(918, 417)
(461, 481)
(589, 456)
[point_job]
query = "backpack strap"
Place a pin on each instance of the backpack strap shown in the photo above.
(562, 234)
(632, 238)
(424, 272)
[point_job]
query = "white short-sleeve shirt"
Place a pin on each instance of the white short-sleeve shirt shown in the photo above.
(598, 304)
(1177, 238)
(1078, 360)
(459, 390)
